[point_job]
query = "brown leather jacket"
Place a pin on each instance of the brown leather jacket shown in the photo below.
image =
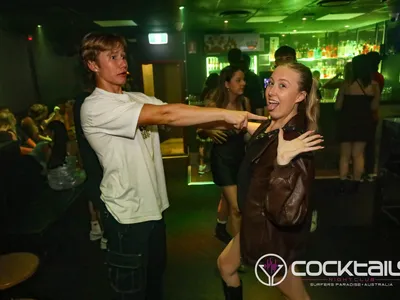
(274, 199)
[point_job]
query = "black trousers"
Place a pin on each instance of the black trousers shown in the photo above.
(136, 259)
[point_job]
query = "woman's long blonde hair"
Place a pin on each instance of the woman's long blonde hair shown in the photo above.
(308, 84)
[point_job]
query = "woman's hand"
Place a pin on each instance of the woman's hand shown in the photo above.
(239, 119)
(287, 150)
(218, 136)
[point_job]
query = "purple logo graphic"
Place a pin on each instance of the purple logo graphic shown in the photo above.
(270, 266)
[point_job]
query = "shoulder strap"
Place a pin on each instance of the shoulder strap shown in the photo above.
(362, 88)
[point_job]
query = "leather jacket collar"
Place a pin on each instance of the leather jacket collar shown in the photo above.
(297, 123)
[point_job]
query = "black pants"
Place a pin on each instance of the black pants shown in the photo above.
(370, 152)
(136, 259)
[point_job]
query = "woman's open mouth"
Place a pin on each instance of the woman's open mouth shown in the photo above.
(272, 104)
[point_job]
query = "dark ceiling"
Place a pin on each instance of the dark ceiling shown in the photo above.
(73, 18)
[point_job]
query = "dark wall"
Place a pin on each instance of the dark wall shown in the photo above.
(58, 74)
(17, 87)
(196, 63)
(391, 63)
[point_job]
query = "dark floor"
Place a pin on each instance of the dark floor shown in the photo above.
(74, 267)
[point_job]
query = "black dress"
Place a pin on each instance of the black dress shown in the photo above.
(355, 122)
(226, 158)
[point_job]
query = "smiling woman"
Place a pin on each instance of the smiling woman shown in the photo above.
(274, 182)
(291, 88)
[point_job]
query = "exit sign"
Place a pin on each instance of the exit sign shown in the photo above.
(158, 38)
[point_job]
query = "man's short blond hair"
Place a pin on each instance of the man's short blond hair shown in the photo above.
(94, 43)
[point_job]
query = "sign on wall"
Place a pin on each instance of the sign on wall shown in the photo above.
(222, 43)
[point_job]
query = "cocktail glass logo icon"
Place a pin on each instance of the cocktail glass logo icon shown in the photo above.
(269, 266)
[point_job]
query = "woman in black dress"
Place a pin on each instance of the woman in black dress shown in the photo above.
(229, 146)
(356, 101)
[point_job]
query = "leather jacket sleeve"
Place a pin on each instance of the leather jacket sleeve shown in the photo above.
(286, 201)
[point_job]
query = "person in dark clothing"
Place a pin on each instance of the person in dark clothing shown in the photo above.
(93, 171)
(254, 88)
(284, 55)
(210, 85)
(235, 57)
(355, 103)
(374, 59)
(317, 76)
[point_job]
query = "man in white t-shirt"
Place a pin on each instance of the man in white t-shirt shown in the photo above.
(122, 129)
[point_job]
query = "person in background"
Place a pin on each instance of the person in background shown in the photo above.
(209, 86)
(254, 87)
(204, 143)
(7, 126)
(336, 82)
(93, 170)
(62, 172)
(27, 145)
(235, 57)
(35, 123)
(374, 59)
(356, 102)
(317, 76)
(229, 146)
(284, 55)
(121, 128)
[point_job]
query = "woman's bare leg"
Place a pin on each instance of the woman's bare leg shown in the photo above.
(345, 155)
(229, 263)
(293, 288)
(230, 194)
(357, 153)
(222, 219)
(223, 209)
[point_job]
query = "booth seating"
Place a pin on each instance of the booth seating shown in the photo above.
(387, 197)
(29, 207)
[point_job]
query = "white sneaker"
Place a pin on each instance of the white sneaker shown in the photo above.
(95, 235)
(103, 244)
(95, 232)
(204, 169)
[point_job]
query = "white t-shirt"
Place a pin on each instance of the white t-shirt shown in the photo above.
(133, 186)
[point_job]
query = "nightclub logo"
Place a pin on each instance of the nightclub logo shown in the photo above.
(268, 267)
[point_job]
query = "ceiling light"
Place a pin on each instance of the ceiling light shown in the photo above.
(226, 21)
(181, 7)
(347, 26)
(116, 23)
(39, 26)
(294, 30)
(265, 19)
(331, 3)
(304, 19)
(331, 17)
(283, 34)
